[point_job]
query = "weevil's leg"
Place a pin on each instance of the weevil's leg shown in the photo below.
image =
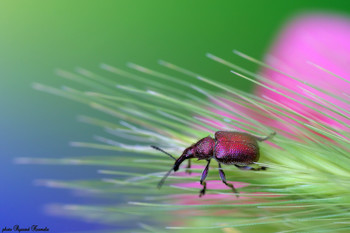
(260, 139)
(251, 168)
(204, 175)
(188, 168)
(223, 178)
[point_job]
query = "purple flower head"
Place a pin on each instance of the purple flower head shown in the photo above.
(312, 56)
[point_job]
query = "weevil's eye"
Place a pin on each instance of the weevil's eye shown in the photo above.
(188, 151)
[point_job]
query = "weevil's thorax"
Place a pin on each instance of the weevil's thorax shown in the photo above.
(235, 148)
(204, 148)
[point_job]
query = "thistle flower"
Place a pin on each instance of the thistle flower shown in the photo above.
(302, 93)
(311, 56)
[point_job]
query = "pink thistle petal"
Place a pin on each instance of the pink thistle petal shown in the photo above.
(211, 184)
(322, 40)
(215, 199)
(187, 174)
(194, 166)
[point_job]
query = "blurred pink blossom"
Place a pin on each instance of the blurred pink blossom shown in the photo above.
(307, 46)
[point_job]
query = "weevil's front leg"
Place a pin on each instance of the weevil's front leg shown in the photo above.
(204, 175)
(188, 168)
(223, 178)
(251, 168)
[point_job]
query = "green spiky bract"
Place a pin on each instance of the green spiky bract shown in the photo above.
(305, 189)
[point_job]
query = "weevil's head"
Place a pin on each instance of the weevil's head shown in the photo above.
(186, 154)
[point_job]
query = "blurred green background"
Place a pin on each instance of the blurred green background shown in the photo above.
(37, 37)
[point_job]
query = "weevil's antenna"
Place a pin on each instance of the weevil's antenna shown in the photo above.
(161, 182)
(157, 148)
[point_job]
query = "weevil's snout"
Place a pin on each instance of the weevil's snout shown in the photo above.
(176, 167)
(187, 154)
(178, 163)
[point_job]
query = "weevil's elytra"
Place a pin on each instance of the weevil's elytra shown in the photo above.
(229, 148)
(236, 148)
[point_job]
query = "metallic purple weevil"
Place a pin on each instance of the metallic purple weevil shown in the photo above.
(230, 148)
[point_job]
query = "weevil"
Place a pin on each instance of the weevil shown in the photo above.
(227, 147)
